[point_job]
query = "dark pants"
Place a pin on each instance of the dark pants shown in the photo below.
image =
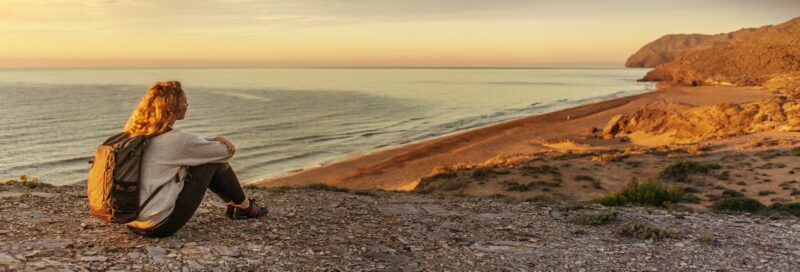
(218, 177)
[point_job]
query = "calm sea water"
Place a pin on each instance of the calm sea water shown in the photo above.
(279, 119)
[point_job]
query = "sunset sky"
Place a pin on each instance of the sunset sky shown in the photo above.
(327, 33)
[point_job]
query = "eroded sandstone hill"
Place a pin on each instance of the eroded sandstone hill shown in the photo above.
(768, 56)
(689, 124)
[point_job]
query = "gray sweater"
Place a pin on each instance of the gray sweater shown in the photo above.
(166, 155)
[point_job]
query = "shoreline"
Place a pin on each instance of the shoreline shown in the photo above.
(612, 96)
(397, 168)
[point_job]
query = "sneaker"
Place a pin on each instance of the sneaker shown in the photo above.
(254, 211)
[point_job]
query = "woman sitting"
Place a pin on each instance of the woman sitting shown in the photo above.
(186, 163)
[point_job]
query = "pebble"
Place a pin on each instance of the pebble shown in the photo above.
(94, 259)
(156, 253)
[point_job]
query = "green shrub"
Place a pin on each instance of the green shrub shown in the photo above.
(738, 204)
(595, 183)
(482, 173)
(540, 169)
(648, 193)
(594, 218)
(452, 184)
(584, 177)
(707, 239)
(643, 231)
(789, 208)
(514, 186)
(765, 193)
(731, 193)
(681, 169)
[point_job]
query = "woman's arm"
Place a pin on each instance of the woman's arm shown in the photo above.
(196, 151)
(231, 147)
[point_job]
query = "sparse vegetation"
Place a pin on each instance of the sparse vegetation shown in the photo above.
(681, 169)
(738, 204)
(634, 164)
(481, 173)
(443, 178)
(540, 169)
(27, 181)
(648, 193)
(594, 218)
(768, 155)
(584, 178)
(643, 231)
(691, 198)
(517, 187)
(595, 183)
(571, 207)
(787, 208)
(325, 187)
(765, 193)
(707, 239)
(731, 193)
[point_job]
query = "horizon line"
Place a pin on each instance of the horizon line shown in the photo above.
(566, 66)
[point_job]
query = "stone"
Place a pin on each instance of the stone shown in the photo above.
(156, 253)
(437, 210)
(435, 235)
(94, 258)
(228, 251)
(52, 243)
(194, 265)
(195, 250)
(5, 259)
(403, 209)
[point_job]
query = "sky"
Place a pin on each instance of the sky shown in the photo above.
(357, 33)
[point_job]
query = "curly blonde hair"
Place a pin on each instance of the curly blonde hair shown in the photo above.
(157, 110)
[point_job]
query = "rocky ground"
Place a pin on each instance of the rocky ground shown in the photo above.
(49, 228)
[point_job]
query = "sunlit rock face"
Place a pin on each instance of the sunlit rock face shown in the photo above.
(768, 56)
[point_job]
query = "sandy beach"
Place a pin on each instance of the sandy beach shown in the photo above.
(400, 168)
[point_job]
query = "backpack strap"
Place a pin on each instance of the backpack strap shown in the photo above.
(176, 179)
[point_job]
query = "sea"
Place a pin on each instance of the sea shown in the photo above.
(281, 120)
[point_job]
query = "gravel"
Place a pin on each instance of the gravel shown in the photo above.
(50, 228)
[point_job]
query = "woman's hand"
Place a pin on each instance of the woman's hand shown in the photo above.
(231, 148)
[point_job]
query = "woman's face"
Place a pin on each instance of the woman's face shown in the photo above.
(183, 106)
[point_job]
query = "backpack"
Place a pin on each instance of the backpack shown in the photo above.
(113, 183)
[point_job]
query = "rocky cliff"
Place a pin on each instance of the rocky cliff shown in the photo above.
(670, 47)
(768, 56)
